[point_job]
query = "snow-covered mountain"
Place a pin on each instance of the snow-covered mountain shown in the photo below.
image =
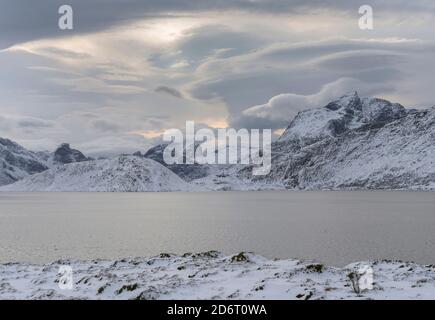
(120, 174)
(16, 162)
(350, 112)
(357, 143)
(217, 177)
(351, 143)
(186, 172)
(62, 155)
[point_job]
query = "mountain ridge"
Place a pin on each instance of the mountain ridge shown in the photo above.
(381, 146)
(120, 174)
(351, 143)
(17, 162)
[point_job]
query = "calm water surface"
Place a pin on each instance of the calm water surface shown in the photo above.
(333, 227)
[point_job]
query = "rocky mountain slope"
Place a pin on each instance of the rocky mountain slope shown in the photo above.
(351, 143)
(17, 162)
(356, 143)
(187, 172)
(62, 155)
(216, 177)
(65, 154)
(120, 174)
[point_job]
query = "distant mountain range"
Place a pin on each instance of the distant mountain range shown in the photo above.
(352, 143)
(17, 163)
(120, 174)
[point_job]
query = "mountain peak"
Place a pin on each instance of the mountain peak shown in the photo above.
(9, 143)
(64, 154)
(64, 145)
(348, 112)
(352, 95)
(350, 101)
(16, 162)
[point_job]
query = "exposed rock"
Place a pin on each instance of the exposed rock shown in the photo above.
(64, 154)
(17, 162)
(187, 172)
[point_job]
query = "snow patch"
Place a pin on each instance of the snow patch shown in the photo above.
(211, 275)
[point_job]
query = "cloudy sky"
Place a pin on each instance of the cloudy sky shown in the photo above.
(131, 69)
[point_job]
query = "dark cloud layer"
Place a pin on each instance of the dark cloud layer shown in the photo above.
(24, 20)
(171, 91)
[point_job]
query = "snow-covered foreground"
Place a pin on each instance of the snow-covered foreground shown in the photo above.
(211, 275)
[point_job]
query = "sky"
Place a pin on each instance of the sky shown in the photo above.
(131, 69)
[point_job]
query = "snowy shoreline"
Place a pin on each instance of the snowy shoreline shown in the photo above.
(212, 275)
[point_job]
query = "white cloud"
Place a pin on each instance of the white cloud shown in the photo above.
(97, 86)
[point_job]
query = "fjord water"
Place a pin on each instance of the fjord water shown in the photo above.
(332, 227)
